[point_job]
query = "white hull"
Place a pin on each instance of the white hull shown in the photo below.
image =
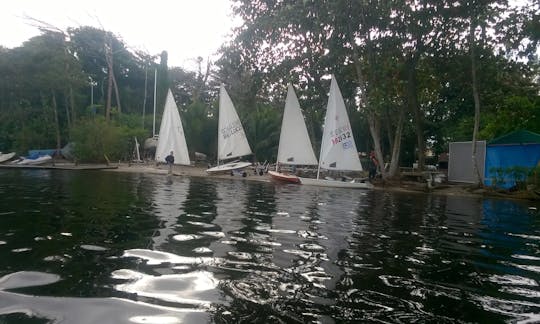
(6, 157)
(228, 167)
(335, 183)
(39, 160)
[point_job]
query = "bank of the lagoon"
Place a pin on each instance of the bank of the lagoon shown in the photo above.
(144, 247)
(455, 189)
(420, 186)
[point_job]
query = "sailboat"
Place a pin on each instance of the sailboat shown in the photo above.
(171, 134)
(294, 143)
(338, 149)
(232, 140)
(6, 156)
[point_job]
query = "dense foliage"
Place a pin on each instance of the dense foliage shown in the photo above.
(414, 74)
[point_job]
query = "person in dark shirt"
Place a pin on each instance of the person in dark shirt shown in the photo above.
(170, 161)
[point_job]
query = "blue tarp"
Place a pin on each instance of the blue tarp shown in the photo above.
(34, 154)
(508, 156)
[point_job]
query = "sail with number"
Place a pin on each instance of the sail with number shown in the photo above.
(232, 141)
(171, 134)
(338, 149)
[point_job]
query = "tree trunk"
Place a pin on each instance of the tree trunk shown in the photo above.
(56, 123)
(389, 132)
(393, 171)
(116, 92)
(72, 103)
(67, 107)
(412, 100)
(374, 129)
(373, 119)
(111, 80)
(109, 95)
(476, 97)
(145, 94)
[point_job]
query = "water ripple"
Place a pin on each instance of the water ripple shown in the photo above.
(193, 289)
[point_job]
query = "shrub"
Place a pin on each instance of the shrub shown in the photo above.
(96, 140)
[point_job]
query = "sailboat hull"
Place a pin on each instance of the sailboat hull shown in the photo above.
(228, 167)
(335, 183)
(6, 156)
(40, 160)
(291, 178)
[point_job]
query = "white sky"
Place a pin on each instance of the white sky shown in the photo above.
(186, 29)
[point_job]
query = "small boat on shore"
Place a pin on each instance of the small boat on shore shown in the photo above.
(338, 149)
(294, 143)
(4, 157)
(171, 135)
(232, 141)
(285, 177)
(35, 161)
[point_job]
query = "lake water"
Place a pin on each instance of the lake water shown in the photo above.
(105, 247)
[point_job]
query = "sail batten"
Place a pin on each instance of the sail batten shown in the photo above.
(294, 143)
(232, 141)
(171, 134)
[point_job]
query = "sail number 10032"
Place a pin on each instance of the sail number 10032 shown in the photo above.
(341, 137)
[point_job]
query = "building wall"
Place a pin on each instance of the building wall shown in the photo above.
(507, 157)
(460, 165)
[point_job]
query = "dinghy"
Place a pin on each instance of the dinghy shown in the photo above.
(294, 143)
(338, 149)
(232, 141)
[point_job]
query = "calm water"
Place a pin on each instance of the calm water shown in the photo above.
(100, 247)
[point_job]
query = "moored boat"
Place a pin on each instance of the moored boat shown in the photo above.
(338, 149)
(4, 157)
(36, 161)
(171, 135)
(294, 143)
(232, 140)
(283, 177)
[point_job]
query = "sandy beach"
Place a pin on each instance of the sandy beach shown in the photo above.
(182, 170)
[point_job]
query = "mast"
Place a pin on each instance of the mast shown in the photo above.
(155, 91)
(318, 168)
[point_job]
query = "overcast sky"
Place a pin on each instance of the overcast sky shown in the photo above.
(186, 29)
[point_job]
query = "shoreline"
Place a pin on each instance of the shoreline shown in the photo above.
(463, 190)
(402, 185)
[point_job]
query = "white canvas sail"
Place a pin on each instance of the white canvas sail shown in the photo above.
(294, 143)
(338, 149)
(232, 141)
(171, 134)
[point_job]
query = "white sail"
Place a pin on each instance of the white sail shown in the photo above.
(171, 134)
(232, 141)
(338, 149)
(294, 143)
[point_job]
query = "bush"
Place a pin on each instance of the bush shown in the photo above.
(96, 140)
(534, 176)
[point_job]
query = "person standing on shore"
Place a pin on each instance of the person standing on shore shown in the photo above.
(170, 161)
(373, 166)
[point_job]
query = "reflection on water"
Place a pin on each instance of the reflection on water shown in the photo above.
(98, 247)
